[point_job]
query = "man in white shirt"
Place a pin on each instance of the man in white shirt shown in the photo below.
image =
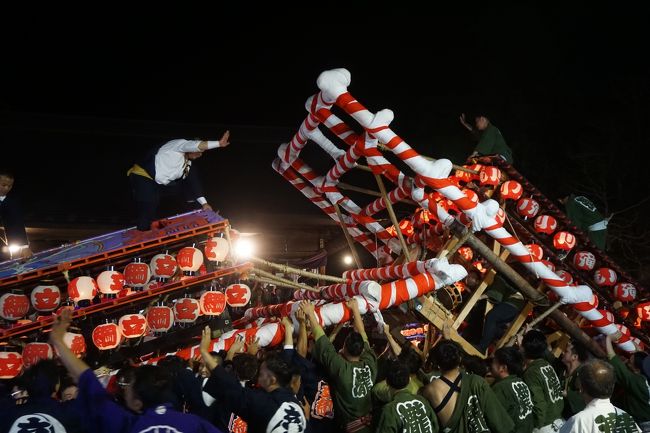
(596, 381)
(166, 166)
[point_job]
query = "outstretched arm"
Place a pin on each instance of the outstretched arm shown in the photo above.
(209, 360)
(223, 142)
(301, 345)
(394, 347)
(74, 365)
(356, 315)
(288, 331)
(308, 308)
(464, 122)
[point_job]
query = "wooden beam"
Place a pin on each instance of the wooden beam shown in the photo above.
(393, 217)
(291, 270)
(515, 326)
(348, 238)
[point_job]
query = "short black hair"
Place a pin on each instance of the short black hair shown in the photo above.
(411, 359)
(447, 355)
(245, 366)
(397, 376)
(581, 350)
(280, 368)
(534, 344)
(638, 358)
(511, 358)
(41, 379)
(353, 344)
(597, 378)
(153, 385)
(6, 173)
(475, 365)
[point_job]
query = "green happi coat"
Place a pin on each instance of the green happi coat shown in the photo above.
(351, 382)
(493, 143)
(477, 409)
(515, 397)
(546, 391)
(636, 399)
(584, 214)
(383, 393)
(573, 402)
(407, 413)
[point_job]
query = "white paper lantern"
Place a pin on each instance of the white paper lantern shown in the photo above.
(45, 298)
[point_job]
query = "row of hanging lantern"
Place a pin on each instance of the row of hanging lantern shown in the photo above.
(136, 276)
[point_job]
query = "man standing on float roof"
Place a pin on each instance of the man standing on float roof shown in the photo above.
(165, 166)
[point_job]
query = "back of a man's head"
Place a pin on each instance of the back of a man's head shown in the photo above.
(534, 344)
(397, 376)
(411, 359)
(245, 366)
(511, 358)
(353, 344)
(41, 379)
(581, 351)
(597, 379)
(152, 385)
(6, 173)
(447, 355)
(279, 368)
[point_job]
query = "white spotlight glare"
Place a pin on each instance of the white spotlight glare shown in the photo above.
(347, 260)
(13, 249)
(244, 248)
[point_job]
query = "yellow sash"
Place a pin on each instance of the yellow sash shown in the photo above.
(136, 169)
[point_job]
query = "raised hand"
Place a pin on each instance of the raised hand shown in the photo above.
(254, 346)
(61, 325)
(223, 141)
(206, 339)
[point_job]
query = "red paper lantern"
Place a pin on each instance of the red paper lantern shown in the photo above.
(13, 306)
(186, 310)
(608, 315)
(212, 303)
(527, 207)
(584, 260)
(34, 352)
(107, 336)
(163, 266)
(406, 227)
(511, 190)
(11, 364)
(471, 195)
(625, 292)
(217, 249)
(565, 276)
(500, 217)
(160, 318)
(189, 259)
(643, 311)
(82, 290)
(466, 253)
(545, 224)
(605, 277)
(564, 241)
(110, 282)
(133, 325)
(45, 298)
(536, 251)
(137, 274)
(75, 342)
(391, 230)
(463, 175)
(490, 176)
(477, 168)
(238, 295)
(549, 265)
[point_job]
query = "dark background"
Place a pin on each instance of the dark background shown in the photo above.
(567, 86)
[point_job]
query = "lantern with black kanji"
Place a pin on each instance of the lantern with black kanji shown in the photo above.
(238, 295)
(527, 207)
(564, 241)
(160, 319)
(217, 249)
(212, 302)
(536, 251)
(82, 290)
(489, 176)
(34, 352)
(13, 306)
(11, 364)
(512, 190)
(110, 283)
(186, 310)
(137, 274)
(107, 336)
(163, 267)
(605, 277)
(189, 260)
(133, 325)
(45, 298)
(625, 292)
(584, 260)
(545, 224)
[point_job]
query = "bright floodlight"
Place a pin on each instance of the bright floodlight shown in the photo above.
(13, 249)
(347, 260)
(244, 248)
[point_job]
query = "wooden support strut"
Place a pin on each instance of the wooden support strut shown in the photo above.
(280, 280)
(527, 290)
(291, 270)
(393, 217)
(348, 238)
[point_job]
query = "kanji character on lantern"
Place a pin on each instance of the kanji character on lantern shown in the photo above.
(13, 306)
(584, 260)
(160, 319)
(163, 267)
(75, 342)
(545, 224)
(82, 290)
(137, 274)
(536, 251)
(625, 292)
(564, 241)
(34, 352)
(186, 310)
(406, 227)
(107, 336)
(490, 176)
(189, 260)
(110, 283)
(11, 364)
(45, 298)
(527, 207)
(133, 325)
(605, 277)
(238, 295)
(511, 189)
(566, 277)
(217, 249)
(212, 303)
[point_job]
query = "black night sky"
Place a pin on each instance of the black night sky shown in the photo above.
(569, 89)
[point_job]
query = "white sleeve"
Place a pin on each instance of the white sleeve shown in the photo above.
(181, 145)
(213, 144)
(202, 200)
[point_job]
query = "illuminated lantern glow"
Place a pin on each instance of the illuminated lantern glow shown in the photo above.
(490, 176)
(605, 277)
(584, 260)
(545, 224)
(189, 260)
(566, 277)
(45, 298)
(463, 176)
(217, 249)
(564, 241)
(137, 275)
(13, 306)
(186, 310)
(160, 319)
(471, 195)
(212, 303)
(406, 227)
(536, 251)
(511, 190)
(625, 292)
(238, 295)
(133, 325)
(479, 266)
(163, 267)
(34, 352)
(549, 265)
(527, 207)
(110, 283)
(391, 230)
(466, 253)
(477, 168)
(643, 311)
(75, 342)
(107, 336)
(11, 364)
(82, 290)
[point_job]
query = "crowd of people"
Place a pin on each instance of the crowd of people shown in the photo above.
(315, 383)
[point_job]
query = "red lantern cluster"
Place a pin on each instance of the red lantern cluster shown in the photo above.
(160, 318)
(217, 249)
(212, 303)
(545, 224)
(605, 277)
(511, 190)
(584, 260)
(163, 266)
(625, 292)
(82, 290)
(564, 241)
(137, 274)
(13, 306)
(536, 251)
(527, 207)
(186, 310)
(489, 176)
(189, 259)
(107, 336)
